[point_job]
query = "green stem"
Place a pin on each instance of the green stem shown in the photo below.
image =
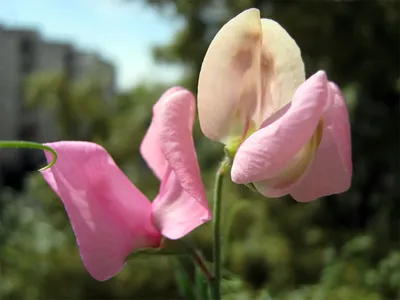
(203, 267)
(30, 145)
(217, 251)
(198, 259)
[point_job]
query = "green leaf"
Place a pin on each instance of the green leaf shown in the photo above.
(184, 284)
(265, 296)
(230, 218)
(201, 283)
(31, 145)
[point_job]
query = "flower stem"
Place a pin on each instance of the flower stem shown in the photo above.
(202, 265)
(216, 286)
(30, 145)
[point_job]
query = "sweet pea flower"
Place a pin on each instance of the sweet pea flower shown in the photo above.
(286, 135)
(110, 217)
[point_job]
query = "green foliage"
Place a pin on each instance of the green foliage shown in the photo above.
(342, 247)
(357, 43)
(80, 107)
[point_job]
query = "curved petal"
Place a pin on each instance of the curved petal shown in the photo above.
(229, 79)
(282, 69)
(176, 141)
(331, 170)
(109, 215)
(175, 212)
(150, 148)
(271, 149)
(292, 174)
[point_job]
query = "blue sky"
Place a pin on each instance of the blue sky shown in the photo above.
(122, 33)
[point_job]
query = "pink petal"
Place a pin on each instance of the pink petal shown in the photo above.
(290, 176)
(264, 188)
(176, 141)
(331, 170)
(150, 147)
(109, 215)
(271, 149)
(175, 212)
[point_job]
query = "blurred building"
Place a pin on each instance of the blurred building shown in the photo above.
(24, 53)
(90, 65)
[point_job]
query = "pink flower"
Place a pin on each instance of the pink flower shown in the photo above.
(287, 135)
(110, 217)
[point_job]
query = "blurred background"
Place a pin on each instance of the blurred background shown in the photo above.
(92, 69)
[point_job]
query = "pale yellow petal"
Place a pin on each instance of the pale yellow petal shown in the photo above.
(282, 69)
(229, 80)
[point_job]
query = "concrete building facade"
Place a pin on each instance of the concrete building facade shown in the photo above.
(22, 54)
(16, 63)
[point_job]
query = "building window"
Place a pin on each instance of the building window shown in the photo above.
(27, 53)
(28, 131)
(69, 63)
